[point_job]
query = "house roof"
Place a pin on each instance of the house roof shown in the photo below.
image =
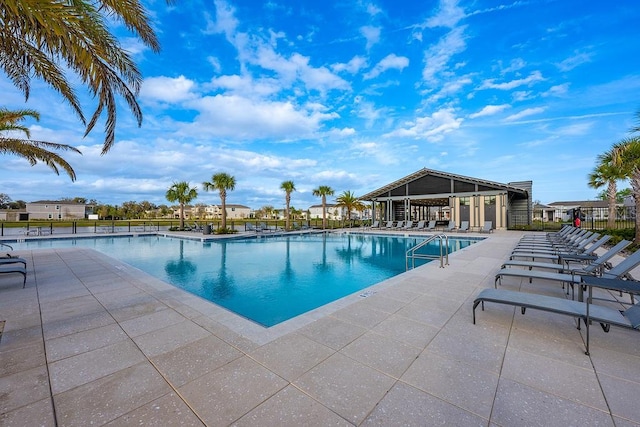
(57, 202)
(581, 203)
(430, 172)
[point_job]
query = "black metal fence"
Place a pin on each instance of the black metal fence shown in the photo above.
(591, 219)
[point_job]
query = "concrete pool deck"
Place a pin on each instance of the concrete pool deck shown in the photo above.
(93, 341)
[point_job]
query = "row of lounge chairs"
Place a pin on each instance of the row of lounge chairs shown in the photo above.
(429, 226)
(568, 257)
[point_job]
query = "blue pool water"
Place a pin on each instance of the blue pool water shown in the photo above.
(267, 280)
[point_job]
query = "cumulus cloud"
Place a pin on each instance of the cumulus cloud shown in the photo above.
(236, 117)
(167, 89)
(371, 34)
(353, 66)
(432, 128)
(391, 61)
(525, 113)
(490, 110)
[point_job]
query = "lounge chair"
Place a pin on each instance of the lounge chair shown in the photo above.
(420, 225)
(464, 227)
(431, 226)
(389, 224)
(594, 266)
(400, 224)
(408, 225)
(573, 278)
(376, 224)
(487, 227)
(17, 269)
(451, 226)
(251, 227)
(13, 260)
(587, 312)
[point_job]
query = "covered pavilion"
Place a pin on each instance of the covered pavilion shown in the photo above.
(441, 196)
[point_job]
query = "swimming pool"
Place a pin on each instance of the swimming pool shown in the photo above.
(267, 280)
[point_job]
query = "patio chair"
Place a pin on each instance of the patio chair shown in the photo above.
(375, 224)
(587, 312)
(408, 225)
(487, 227)
(451, 226)
(420, 225)
(15, 269)
(13, 260)
(400, 224)
(431, 226)
(464, 227)
(575, 277)
(389, 224)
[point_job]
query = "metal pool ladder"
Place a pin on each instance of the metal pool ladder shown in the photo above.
(444, 251)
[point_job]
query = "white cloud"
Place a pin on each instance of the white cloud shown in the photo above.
(490, 110)
(236, 117)
(450, 88)
(449, 14)
(167, 89)
(515, 65)
(246, 86)
(225, 22)
(371, 34)
(433, 128)
(574, 61)
(558, 90)
(391, 61)
(437, 56)
(525, 113)
(354, 65)
(533, 78)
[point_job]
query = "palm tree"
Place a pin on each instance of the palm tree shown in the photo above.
(221, 182)
(33, 151)
(350, 202)
(606, 173)
(182, 193)
(324, 191)
(45, 39)
(288, 187)
(626, 157)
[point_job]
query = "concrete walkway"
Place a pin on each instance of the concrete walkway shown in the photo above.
(93, 341)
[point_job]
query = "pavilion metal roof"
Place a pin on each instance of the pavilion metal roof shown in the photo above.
(424, 171)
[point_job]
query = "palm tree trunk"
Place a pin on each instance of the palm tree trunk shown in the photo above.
(635, 184)
(182, 215)
(224, 213)
(611, 194)
(286, 212)
(324, 212)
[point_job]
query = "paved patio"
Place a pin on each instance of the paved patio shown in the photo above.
(93, 341)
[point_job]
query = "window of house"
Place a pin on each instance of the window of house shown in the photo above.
(49, 216)
(465, 201)
(489, 200)
(57, 207)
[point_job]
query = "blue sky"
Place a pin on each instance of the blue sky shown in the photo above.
(354, 95)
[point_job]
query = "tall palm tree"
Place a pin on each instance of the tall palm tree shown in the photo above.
(221, 182)
(606, 173)
(350, 202)
(626, 157)
(288, 187)
(324, 191)
(182, 193)
(47, 38)
(29, 149)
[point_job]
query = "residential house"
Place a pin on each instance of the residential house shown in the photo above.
(58, 210)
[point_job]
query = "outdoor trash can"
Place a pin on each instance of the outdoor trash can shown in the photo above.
(207, 229)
